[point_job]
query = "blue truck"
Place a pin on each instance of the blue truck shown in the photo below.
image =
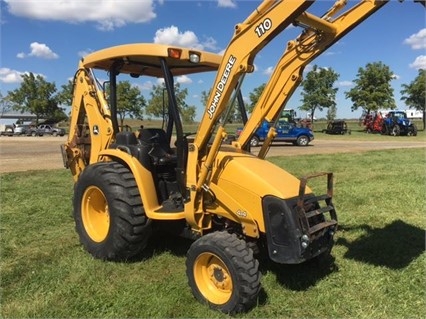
(286, 132)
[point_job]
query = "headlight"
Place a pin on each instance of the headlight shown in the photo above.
(194, 57)
(305, 241)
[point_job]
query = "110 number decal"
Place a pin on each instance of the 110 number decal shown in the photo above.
(262, 28)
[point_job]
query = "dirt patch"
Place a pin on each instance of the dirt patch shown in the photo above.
(30, 153)
(42, 153)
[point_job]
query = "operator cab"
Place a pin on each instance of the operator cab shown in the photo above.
(152, 146)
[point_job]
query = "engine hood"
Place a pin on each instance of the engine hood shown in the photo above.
(252, 176)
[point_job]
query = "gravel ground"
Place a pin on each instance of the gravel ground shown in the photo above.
(41, 153)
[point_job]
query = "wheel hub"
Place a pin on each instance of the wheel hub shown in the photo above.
(95, 214)
(218, 274)
(213, 278)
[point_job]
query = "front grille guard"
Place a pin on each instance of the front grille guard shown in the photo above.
(310, 208)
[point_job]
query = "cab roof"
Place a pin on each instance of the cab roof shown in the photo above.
(144, 59)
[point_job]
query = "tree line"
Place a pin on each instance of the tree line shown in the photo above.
(372, 91)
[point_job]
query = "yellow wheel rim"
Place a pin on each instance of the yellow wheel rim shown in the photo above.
(95, 214)
(213, 278)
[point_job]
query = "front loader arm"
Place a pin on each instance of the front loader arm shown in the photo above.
(265, 23)
(91, 127)
(318, 35)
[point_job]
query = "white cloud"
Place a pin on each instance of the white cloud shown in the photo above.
(172, 35)
(417, 41)
(226, 3)
(210, 44)
(39, 50)
(189, 39)
(345, 83)
(419, 63)
(269, 70)
(10, 76)
(183, 79)
(146, 86)
(107, 14)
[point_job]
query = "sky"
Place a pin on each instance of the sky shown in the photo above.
(49, 37)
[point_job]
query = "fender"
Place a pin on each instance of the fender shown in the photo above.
(145, 183)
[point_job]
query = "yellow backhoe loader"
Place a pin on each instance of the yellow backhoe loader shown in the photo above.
(233, 204)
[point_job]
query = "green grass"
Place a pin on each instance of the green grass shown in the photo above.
(378, 267)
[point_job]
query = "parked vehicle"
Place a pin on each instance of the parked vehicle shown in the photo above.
(396, 123)
(338, 127)
(286, 132)
(46, 129)
(20, 129)
(14, 129)
(6, 130)
(372, 121)
(393, 122)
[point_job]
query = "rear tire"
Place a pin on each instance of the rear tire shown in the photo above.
(414, 131)
(223, 273)
(108, 212)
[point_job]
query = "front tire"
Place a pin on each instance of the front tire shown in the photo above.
(223, 272)
(396, 130)
(302, 140)
(108, 212)
(254, 141)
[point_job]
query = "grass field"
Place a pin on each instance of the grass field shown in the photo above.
(377, 271)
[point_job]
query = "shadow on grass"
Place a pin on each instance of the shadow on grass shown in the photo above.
(163, 242)
(301, 277)
(393, 246)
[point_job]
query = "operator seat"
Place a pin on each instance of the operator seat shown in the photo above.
(160, 150)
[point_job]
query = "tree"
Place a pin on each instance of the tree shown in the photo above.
(157, 105)
(65, 95)
(36, 96)
(331, 113)
(254, 96)
(318, 91)
(372, 89)
(130, 102)
(205, 98)
(4, 104)
(414, 94)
